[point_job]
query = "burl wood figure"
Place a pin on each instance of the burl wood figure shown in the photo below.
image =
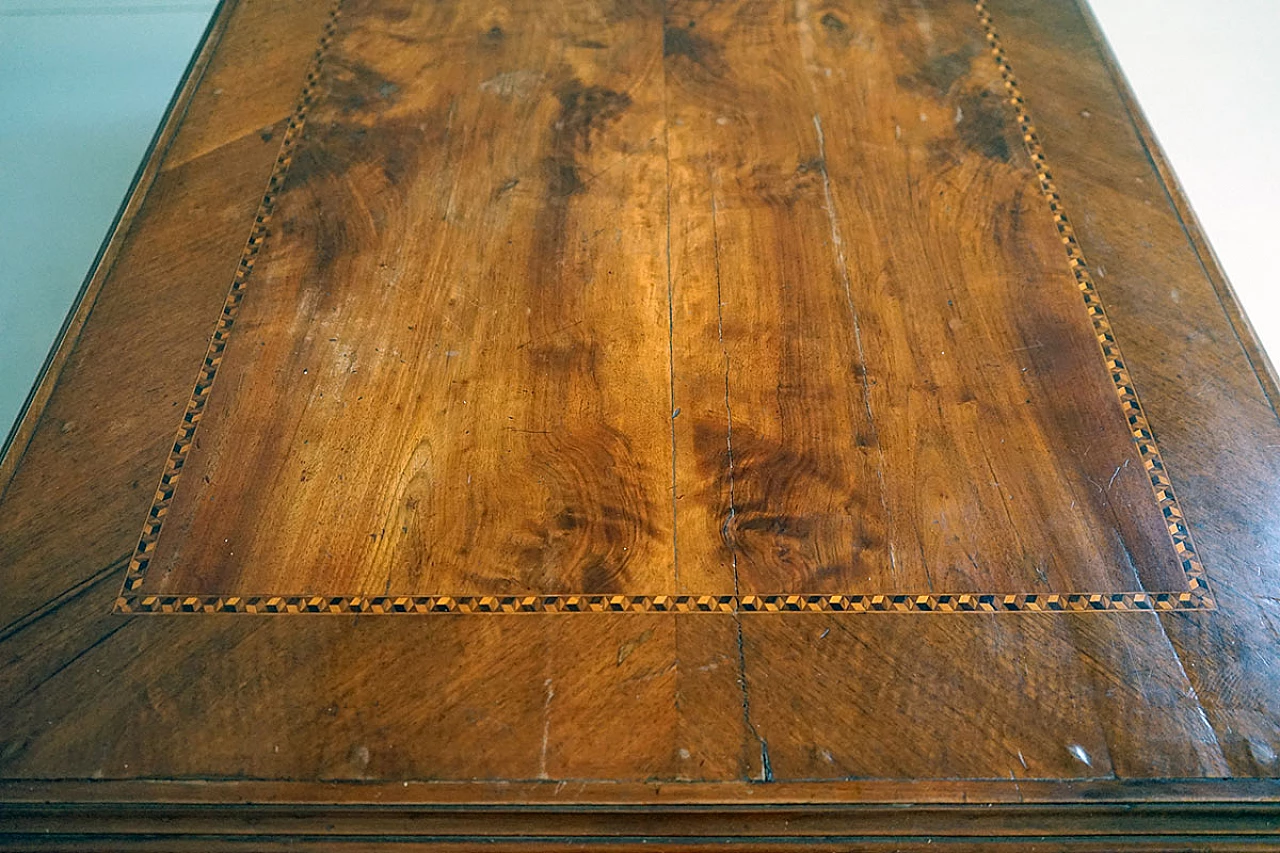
(562, 423)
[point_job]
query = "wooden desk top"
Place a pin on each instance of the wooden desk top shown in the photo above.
(817, 421)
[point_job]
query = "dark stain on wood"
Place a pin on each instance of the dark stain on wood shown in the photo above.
(584, 110)
(940, 73)
(982, 124)
(683, 42)
(355, 87)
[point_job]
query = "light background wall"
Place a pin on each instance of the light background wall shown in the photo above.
(83, 84)
(1207, 75)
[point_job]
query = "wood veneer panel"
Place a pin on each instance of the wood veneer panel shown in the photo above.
(914, 256)
(527, 459)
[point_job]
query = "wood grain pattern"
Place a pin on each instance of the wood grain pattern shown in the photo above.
(657, 319)
(982, 478)
(520, 369)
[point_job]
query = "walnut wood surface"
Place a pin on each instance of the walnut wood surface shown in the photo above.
(697, 351)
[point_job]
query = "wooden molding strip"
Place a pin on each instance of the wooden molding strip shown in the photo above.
(1020, 826)
(900, 815)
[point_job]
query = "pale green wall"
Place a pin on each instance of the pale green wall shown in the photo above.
(82, 88)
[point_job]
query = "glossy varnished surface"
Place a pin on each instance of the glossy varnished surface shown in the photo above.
(772, 327)
(499, 304)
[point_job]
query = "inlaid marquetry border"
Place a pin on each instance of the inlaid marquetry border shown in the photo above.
(1196, 596)
(886, 603)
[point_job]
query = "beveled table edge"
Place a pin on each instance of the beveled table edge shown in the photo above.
(603, 792)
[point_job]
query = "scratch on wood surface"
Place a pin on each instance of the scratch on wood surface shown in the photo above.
(728, 409)
(453, 183)
(1078, 751)
(625, 650)
(671, 344)
(842, 266)
(1116, 473)
(546, 729)
(804, 28)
